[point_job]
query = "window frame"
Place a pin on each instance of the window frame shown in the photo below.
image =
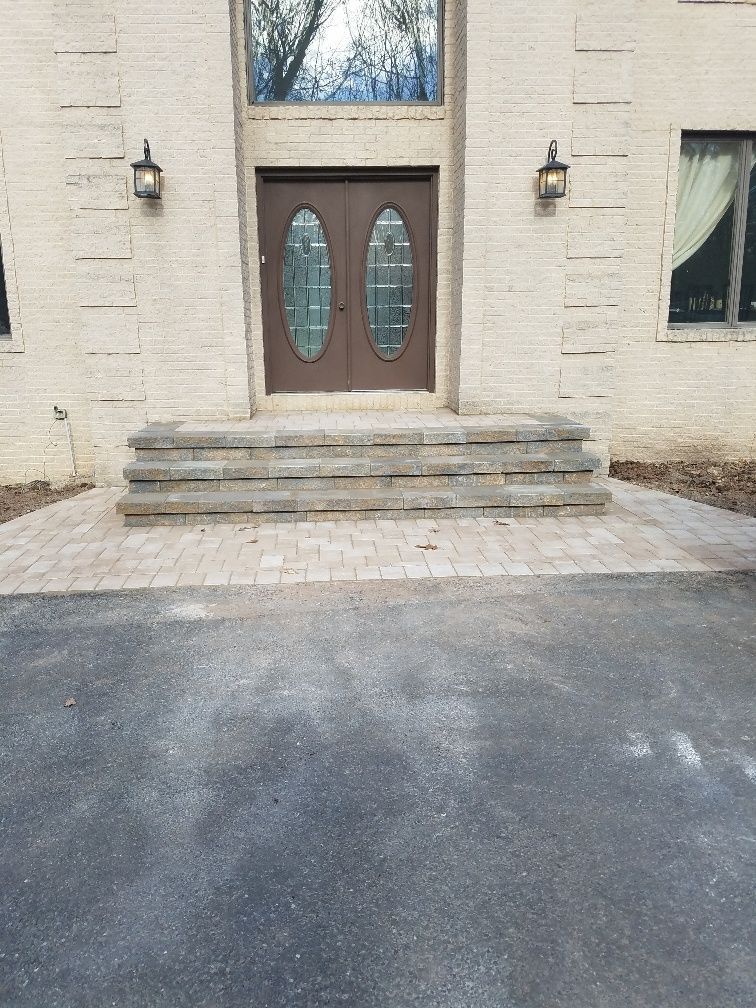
(252, 101)
(737, 245)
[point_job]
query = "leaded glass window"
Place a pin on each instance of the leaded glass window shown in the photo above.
(307, 282)
(344, 50)
(389, 281)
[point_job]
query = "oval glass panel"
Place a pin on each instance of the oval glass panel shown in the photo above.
(307, 282)
(389, 281)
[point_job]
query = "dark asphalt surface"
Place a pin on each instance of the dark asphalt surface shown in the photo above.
(518, 793)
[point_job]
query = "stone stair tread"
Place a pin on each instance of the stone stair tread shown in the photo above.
(512, 494)
(428, 465)
(496, 429)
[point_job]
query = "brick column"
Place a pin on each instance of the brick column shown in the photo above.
(90, 101)
(160, 284)
(594, 282)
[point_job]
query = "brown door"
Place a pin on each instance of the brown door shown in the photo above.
(348, 280)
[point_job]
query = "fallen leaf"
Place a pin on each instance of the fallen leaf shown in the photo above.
(497, 522)
(430, 546)
(251, 540)
(70, 702)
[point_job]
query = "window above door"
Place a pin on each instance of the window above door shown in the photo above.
(344, 51)
(714, 255)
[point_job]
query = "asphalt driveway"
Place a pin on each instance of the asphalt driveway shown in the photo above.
(513, 793)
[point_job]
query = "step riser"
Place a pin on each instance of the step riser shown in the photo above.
(554, 449)
(428, 465)
(353, 499)
(436, 514)
(356, 482)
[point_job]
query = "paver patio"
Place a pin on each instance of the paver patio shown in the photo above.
(81, 545)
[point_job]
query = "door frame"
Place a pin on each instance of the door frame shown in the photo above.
(427, 173)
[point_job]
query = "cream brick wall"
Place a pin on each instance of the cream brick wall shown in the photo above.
(563, 305)
(43, 364)
(681, 392)
(534, 270)
(130, 310)
(125, 310)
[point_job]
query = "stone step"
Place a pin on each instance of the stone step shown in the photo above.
(556, 448)
(359, 482)
(251, 434)
(315, 473)
(312, 505)
(327, 466)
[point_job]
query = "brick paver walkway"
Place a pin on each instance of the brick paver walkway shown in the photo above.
(81, 545)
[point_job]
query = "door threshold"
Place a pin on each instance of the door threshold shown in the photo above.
(386, 400)
(356, 392)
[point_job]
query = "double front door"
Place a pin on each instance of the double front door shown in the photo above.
(348, 280)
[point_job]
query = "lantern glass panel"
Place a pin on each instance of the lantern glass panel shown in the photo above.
(146, 182)
(555, 182)
(552, 182)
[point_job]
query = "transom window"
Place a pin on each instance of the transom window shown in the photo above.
(714, 256)
(344, 50)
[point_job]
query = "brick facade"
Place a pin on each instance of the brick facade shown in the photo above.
(125, 311)
(681, 392)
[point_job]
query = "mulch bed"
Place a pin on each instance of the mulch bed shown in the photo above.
(729, 485)
(22, 498)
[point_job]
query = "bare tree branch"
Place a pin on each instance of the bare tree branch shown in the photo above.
(282, 31)
(387, 51)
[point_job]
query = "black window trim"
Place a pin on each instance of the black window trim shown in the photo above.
(737, 247)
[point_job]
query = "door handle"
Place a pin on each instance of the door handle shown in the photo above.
(341, 306)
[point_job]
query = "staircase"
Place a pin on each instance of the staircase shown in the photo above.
(436, 465)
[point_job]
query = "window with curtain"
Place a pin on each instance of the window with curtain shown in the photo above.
(5, 329)
(344, 50)
(714, 255)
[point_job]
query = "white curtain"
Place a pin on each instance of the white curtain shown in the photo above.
(707, 181)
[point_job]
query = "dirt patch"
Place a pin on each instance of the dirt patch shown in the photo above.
(730, 485)
(22, 498)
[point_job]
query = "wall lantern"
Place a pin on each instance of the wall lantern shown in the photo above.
(146, 176)
(552, 178)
